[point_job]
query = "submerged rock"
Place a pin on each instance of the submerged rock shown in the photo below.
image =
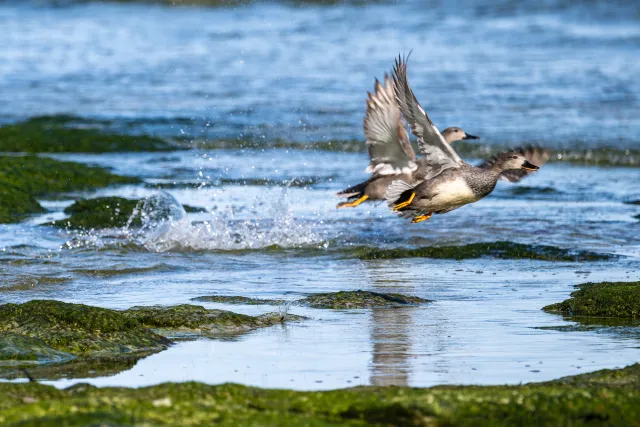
(188, 319)
(501, 250)
(78, 329)
(359, 299)
(612, 299)
(608, 397)
(23, 178)
(70, 134)
(334, 300)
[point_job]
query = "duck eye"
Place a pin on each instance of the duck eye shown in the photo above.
(515, 157)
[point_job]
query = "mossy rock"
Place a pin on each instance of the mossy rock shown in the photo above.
(603, 398)
(18, 350)
(333, 300)
(70, 134)
(501, 250)
(239, 300)
(359, 299)
(174, 321)
(104, 212)
(79, 329)
(25, 178)
(612, 299)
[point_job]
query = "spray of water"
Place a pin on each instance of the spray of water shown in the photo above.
(165, 226)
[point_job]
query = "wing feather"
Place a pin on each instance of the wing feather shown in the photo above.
(432, 144)
(388, 142)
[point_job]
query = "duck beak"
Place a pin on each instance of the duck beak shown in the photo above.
(467, 136)
(529, 166)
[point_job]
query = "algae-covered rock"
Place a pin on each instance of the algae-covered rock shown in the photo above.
(603, 398)
(193, 319)
(502, 250)
(70, 134)
(105, 212)
(334, 300)
(615, 299)
(24, 178)
(234, 299)
(359, 299)
(18, 350)
(79, 329)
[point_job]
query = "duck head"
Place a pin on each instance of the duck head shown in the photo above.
(513, 161)
(454, 134)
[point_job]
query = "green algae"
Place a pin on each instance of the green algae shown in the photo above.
(25, 178)
(603, 398)
(360, 299)
(70, 134)
(104, 212)
(331, 300)
(110, 272)
(185, 319)
(29, 282)
(501, 250)
(79, 329)
(21, 350)
(611, 299)
(234, 299)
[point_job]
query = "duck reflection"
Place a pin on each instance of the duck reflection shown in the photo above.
(390, 334)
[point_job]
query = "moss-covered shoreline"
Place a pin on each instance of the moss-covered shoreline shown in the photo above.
(71, 134)
(603, 398)
(46, 335)
(23, 179)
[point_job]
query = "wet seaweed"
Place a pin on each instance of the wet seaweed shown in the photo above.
(610, 299)
(501, 250)
(185, 319)
(23, 178)
(331, 300)
(71, 134)
(607, 397)
(104, 212)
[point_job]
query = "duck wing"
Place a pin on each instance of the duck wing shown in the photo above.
(432, 144)
(387, 138)
(534, 154)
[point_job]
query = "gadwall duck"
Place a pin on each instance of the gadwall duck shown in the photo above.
(392, 156)
(449, 182)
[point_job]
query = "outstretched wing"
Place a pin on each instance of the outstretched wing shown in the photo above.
(387, 139)
(434, 147)
(535, 155)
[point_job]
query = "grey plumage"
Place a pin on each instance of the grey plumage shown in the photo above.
(448, 182)
(390, 151)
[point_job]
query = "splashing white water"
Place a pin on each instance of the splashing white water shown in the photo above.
(166, 227)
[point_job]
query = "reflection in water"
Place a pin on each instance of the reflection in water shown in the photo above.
(390, 334)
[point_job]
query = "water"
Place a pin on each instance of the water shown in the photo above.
(560, 74)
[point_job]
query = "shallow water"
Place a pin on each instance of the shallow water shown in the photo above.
(556, 75)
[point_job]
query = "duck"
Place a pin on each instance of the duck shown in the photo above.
(390, 151)
(448, 182)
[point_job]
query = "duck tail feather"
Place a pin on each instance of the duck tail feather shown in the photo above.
(396, 191)
(355, 191)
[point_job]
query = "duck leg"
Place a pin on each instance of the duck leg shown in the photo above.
(352, 204)
(420, 218)
(405, 203)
